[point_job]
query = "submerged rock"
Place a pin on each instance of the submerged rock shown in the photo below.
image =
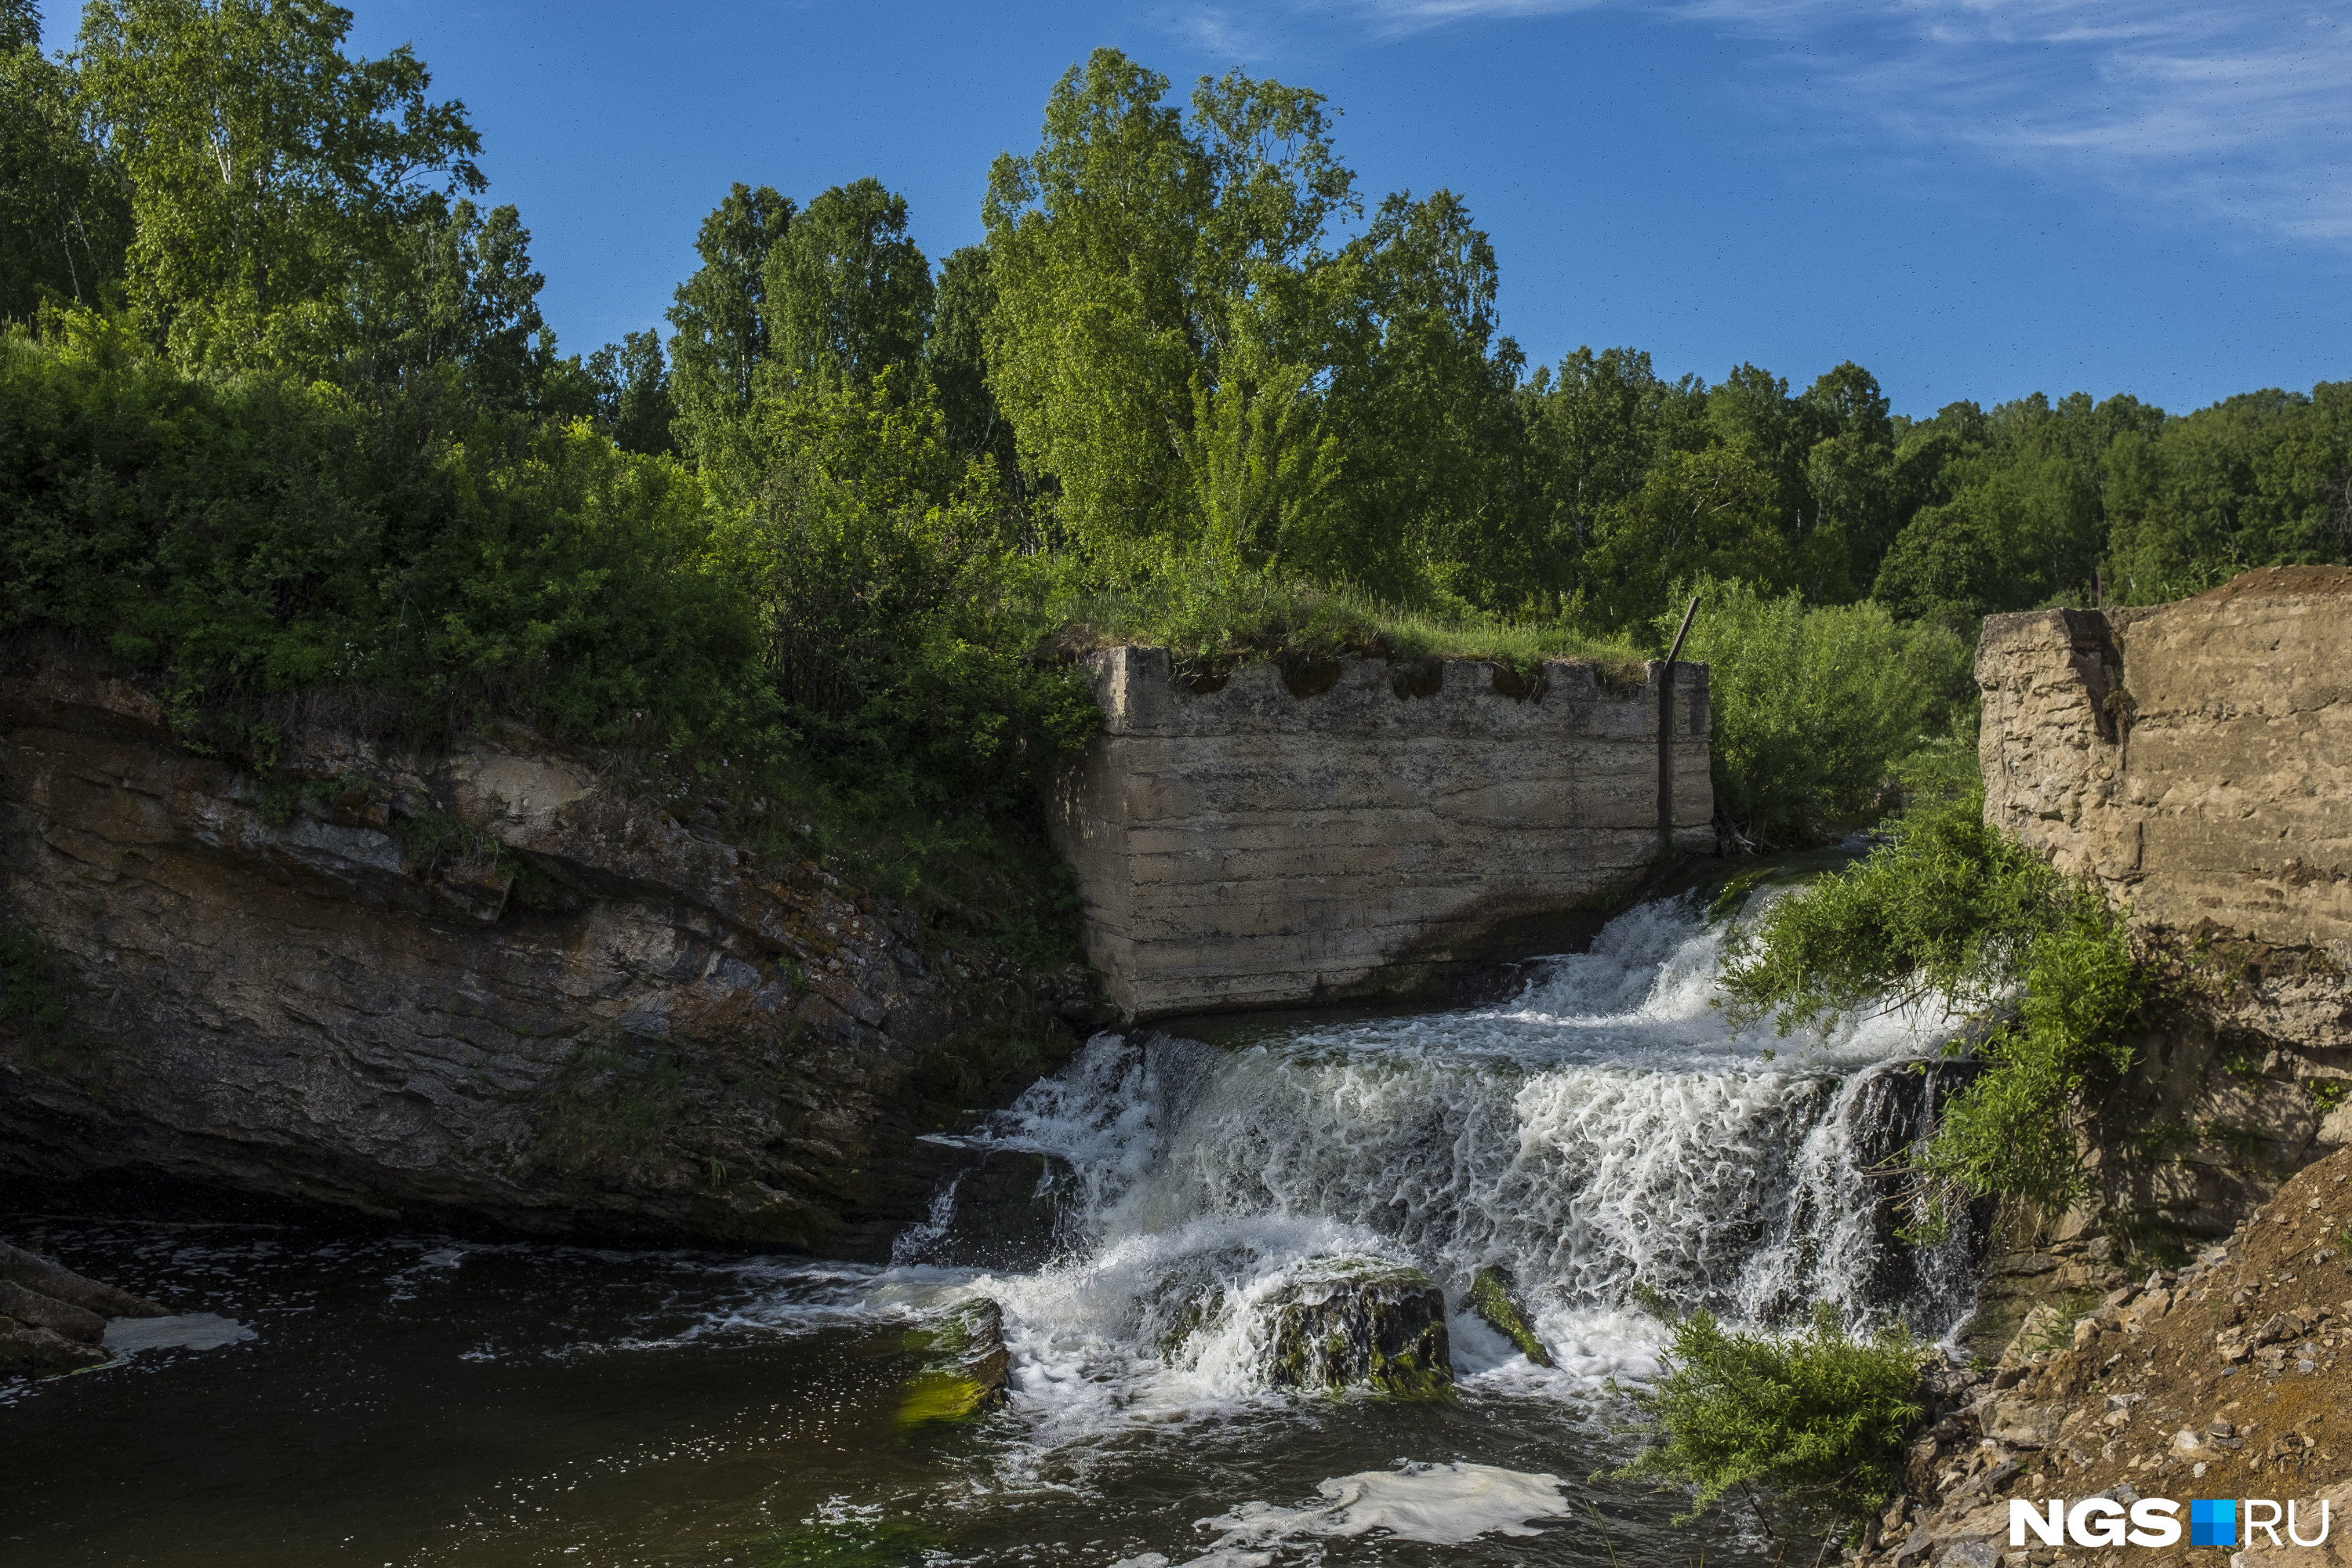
(965, 1366)
(1360, 1322)
(1491, 1299)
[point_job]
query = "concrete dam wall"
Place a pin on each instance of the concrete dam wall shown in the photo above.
(1359, 827)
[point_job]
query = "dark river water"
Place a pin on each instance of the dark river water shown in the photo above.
(404, 1397)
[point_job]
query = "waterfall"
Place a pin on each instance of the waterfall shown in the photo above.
(1602, 1131)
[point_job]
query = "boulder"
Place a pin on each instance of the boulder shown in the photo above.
(1360, 1322)
(965, 1366)
(39, 1275)
(1491, 1299)
(52, 1320)
(1010, 1214)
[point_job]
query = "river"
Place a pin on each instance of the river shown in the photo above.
(389, 1395)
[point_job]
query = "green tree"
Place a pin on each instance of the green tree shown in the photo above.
(64, 215)
(723, 333)
(1814, 707)
(847, 294)
(1421, 404)
(265, 166)
(2259, 479)
(633, 396)
(460, 293)
(1595, 428)
(1135, 258)
(1711, 514)
(957, 353)
(1816, 1420)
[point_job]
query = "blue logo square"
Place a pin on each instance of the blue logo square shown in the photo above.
(2213, 1522)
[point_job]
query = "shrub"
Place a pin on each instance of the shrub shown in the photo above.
(1816, 1420)
(1947, 907)
(1815, 707)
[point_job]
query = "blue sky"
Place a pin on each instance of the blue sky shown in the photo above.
(1974, 200)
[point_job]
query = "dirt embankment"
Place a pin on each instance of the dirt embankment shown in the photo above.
(2231, 1378)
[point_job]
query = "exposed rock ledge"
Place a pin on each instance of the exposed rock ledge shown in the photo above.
(490, 982)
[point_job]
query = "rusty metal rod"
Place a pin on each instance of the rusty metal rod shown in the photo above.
(1666, 735)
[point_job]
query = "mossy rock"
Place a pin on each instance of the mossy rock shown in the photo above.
(1364, 1323)
(965, 1367)
(1491, 1299)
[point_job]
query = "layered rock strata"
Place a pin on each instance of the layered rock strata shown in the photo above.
(2195, 760)
(500, 981)
(1312, 832)
(54, 1320)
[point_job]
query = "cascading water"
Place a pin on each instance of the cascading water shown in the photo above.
(1603, 1131)
(1156, 1222)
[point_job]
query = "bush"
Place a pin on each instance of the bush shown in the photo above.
(1815, 1420)
(857, 642)
(1948, 907)
(1815, 707)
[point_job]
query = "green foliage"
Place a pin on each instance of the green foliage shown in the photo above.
(1816, 709)
(631, 387)
(849, 294)
(253, 534)
(1211, 622)
(900, 637)
(847, 1544)
(1949, 907)
(65, 211)
(721, 317)
(2326, 1093)
(266, 167)
(1815, 1420)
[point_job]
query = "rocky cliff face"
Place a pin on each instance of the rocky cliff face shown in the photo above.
(496, 982)
(2195, 759)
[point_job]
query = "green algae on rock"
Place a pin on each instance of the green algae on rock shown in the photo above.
(1491, 1299)
(964, 1370)
(1361, 1321)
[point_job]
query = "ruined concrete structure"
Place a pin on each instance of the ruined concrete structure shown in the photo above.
(1288, 836)
(2195, 759)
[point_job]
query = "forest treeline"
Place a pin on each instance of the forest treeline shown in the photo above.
(280, 410)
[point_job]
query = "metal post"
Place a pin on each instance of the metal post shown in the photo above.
(1667, 736)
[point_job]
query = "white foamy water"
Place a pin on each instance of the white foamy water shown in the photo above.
(1443, 1505)
(1602, 1132)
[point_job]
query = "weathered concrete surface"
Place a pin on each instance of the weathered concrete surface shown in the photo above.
(1361, 828)
(2195, 759)
(492, 982)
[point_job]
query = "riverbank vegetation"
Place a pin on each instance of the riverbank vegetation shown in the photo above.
(2038, 965)
(1804, 1431)
(280, 413)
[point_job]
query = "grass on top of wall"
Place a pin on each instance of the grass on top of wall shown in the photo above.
(1211, 622)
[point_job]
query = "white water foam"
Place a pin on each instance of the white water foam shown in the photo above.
(1603, 1130)
(1442, 1505)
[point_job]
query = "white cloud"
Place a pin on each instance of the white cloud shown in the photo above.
(2235, 114)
